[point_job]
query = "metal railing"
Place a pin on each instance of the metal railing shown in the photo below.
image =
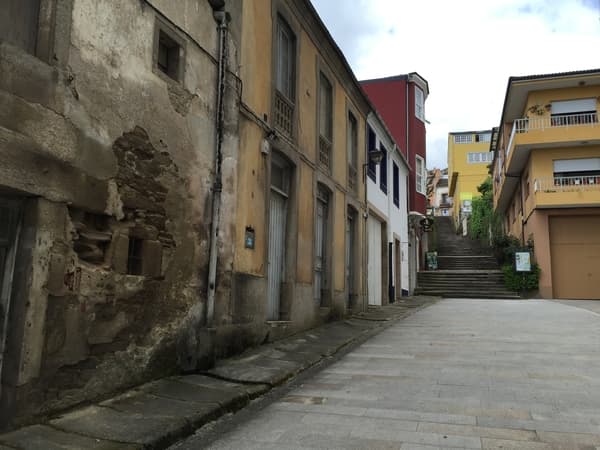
(352, 178)
(325, 151)
(557, 120)
(284, 114)
(567, 184)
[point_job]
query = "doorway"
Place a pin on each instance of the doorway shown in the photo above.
(350, 256)
(321, 237)
(375, 278)
(9, 236)
(278, 211)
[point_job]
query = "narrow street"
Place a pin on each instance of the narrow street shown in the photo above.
(492, 374)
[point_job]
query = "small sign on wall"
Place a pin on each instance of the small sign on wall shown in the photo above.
(249, 238)
(523, 261)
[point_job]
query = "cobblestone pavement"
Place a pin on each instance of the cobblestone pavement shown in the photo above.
(492, 374)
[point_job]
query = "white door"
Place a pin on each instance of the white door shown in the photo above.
(9, 235)
(374, 268)
(320, 246)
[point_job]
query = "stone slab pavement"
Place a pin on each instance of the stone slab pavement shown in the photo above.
(159, 413)
(480, 374)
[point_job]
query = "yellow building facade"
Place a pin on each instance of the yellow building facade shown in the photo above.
(468, 161)
(301, 193)
(547, 177)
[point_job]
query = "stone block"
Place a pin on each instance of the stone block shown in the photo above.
(151, 258)
(56, 274)
(120, 251)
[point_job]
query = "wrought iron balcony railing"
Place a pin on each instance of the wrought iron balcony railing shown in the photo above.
(325, 151)
(284, 114)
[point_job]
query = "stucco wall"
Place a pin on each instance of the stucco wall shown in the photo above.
(113, 150)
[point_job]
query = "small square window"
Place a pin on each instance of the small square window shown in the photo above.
(134, 256)
(168, 55)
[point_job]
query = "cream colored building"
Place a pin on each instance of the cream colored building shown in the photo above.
(547, 177)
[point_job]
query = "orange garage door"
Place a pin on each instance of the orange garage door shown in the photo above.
(575, 253)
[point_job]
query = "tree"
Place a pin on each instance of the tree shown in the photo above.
(483, 222)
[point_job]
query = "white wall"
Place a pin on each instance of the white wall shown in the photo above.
(396, 217)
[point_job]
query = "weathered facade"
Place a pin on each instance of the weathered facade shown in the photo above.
(179, 181)
(108, 133)
(300, 228)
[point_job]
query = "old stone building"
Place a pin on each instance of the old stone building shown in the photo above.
(178, 181)
(108, 137)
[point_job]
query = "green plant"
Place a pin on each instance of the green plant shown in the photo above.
(484, 222)
(521, 281)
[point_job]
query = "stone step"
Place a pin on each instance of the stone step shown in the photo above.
(467, 294)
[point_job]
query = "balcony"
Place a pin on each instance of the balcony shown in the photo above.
(567, 184)
(549, 131)
(351, 178)
(284, 114)
(572, 191)
(325, 152)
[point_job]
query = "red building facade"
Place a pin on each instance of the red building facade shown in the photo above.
(400, 100)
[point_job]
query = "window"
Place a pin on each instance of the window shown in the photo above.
(444, 200)
(420, 175)
(134, 256)
(285, 78)
(396, 184)
(571, 172)
(352, 143)
(371, 145)
(286, 60)
(463, 138)
(19, 23)
(325, 120)
(483, 137)
(419, 104)
(168, 52)
(383, 170)
(573, 112)
(480, 157)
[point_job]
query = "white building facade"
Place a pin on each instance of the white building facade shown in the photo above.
(387, 228)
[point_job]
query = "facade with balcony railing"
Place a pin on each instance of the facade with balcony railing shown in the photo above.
(546, 177)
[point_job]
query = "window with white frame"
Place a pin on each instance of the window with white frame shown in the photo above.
(483, 137)
(463, 138)
(420, 175)
(419, 104)
(480, 157)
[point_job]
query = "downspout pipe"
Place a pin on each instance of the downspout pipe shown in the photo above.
(222, 18)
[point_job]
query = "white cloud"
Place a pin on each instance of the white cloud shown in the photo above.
(466, 49)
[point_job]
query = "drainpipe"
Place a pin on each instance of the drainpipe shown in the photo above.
(222, 18)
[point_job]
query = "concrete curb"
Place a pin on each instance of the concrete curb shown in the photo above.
(158, 414)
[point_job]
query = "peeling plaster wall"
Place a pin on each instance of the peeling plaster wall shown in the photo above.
(112, 151)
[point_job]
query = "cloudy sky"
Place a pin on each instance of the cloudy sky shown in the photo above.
(465, 49)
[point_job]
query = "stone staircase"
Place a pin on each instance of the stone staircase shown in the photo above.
(466, 268)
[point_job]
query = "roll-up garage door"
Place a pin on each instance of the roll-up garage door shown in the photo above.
(575, 256)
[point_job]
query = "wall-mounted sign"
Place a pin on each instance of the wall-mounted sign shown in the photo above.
(249, 238)
(523, 261)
